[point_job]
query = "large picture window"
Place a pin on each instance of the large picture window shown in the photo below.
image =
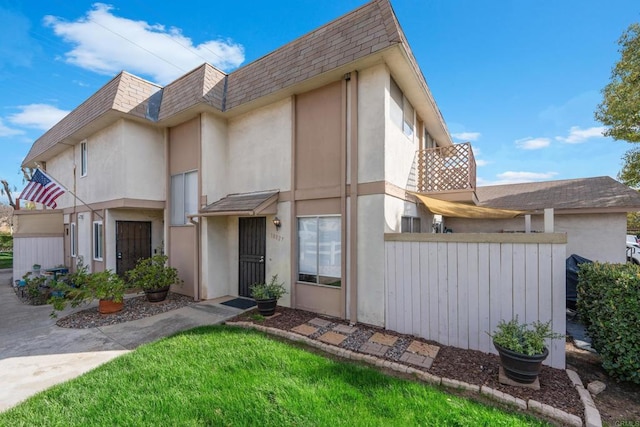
(97, 240)
(320, 250)
(184, 196)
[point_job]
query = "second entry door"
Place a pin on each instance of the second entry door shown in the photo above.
(252, 247)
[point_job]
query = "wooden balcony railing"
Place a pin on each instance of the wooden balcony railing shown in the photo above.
(446, 168)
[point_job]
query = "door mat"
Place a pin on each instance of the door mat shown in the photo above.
(241, 303)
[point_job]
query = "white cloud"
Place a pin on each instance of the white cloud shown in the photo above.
(466, 136)
(532, 143)
(106, 44)
(7, 131)
(40, 116)
(480, 162)
(513, 177)
(577, 135)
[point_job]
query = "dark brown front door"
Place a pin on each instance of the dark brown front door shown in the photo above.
(252, 252)
(133, 241)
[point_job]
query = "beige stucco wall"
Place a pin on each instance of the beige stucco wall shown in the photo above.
(598, 237)
(215, 168)
(372, 93)
(37, 223)
(259, 150)
(114, 156)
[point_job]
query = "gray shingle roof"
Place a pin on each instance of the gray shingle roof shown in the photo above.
(249, 203)
(584, 193)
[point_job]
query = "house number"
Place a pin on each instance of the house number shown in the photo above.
(277, 237)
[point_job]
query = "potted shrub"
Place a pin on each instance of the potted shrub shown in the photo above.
(154, 276)
(83, 287)
(522, 348)
(267, 295)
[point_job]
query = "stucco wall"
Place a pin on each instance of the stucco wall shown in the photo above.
(598, 237)
(259, 150)
(372, 94)
(113, 165)
(370, 262)
(214, 157)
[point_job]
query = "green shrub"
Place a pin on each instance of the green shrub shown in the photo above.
(6, 242)
(609, 306)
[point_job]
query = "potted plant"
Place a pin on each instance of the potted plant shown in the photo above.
(522, 348)
(154, 276)
(83, 287)
(267, 295)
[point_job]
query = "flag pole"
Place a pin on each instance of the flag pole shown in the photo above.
(71, 192)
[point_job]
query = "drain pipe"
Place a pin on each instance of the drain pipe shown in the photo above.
(197, 287)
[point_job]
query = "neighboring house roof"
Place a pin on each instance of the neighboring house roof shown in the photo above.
(369, 30)
(586, 194)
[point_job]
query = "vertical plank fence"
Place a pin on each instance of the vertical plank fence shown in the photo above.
(46, 251)
(454, 288)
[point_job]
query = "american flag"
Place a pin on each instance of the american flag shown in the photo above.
(42, 189)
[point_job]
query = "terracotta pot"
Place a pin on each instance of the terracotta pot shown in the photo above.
(267, 307)
(107, 306)
(157, 295)
(519, 367)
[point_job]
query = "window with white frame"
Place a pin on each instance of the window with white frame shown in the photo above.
(73, 240)
(410, 224)
(83, 158)
(97, 240)
(184, 196)
(401, 110)
(320, 250)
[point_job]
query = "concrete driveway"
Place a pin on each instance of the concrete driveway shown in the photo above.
(36, 354)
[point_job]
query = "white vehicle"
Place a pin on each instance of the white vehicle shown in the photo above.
(633, 249)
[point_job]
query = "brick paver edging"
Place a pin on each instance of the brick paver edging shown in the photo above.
(591, 414)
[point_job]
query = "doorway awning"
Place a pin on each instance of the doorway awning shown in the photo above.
(243, 204)
(463, 210)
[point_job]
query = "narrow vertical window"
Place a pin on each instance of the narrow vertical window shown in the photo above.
(73, 242)
(97, 240)
(83, 158)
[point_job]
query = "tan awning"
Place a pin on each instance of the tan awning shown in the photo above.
(243, 204)
(463, 210)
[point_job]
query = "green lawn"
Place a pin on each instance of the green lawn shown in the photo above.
(6, 259)
(234, 377)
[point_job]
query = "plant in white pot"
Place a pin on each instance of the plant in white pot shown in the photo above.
(522, 348)
(154, 276)
(267, 295)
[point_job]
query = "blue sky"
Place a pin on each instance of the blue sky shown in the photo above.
(519, 79)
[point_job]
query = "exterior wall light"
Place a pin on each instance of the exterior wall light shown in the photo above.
(277, 222)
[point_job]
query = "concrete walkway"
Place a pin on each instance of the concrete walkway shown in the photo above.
(36, 354)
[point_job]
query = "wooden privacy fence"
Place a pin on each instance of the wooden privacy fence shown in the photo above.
(454, 288)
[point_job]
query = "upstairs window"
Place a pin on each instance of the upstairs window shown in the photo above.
(83, 158)
(184, 196)
(400, 110)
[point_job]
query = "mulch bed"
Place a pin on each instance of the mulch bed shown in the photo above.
(470, 366)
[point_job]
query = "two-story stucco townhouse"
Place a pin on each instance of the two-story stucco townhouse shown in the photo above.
(320, 137)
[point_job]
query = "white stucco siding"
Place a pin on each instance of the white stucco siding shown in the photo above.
(278, 251)
(370, 259)
(214, 157)
(399, 149)
(372, 89)
(216, 274)
(143, 155)
(60, 168)
(598, 237)
(259, 149)
(84, 230)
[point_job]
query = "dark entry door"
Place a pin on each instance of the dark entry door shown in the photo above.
(252, 252)
(133, 241)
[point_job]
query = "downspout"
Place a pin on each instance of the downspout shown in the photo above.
(197, 284)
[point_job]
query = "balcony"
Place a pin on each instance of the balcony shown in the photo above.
(449, 170)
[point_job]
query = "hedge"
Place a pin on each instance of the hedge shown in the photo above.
(6, 242)
(609, 306)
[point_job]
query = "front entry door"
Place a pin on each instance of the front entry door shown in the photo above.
(133, 241)
(252, 243)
